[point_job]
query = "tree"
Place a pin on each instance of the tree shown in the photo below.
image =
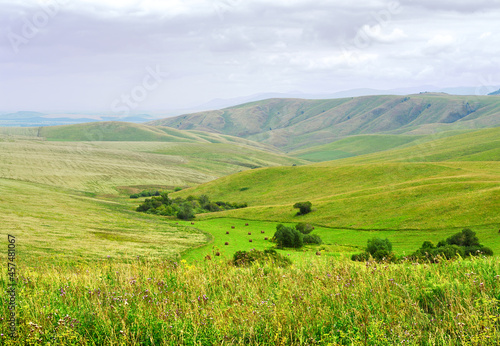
(304, 207)
(465, 238)
(312, 239)
(304, 228)
(376, 244)
(186, 212)
(288, 237)
(204, 200)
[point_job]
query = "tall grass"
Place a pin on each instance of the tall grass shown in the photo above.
(318, 301)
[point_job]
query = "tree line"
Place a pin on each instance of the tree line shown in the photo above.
(184, 209)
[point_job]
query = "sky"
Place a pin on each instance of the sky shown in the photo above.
(129, 56)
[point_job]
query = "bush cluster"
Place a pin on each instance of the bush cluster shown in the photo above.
(184, 209)
(295, 237)
(378, 249)
(304, 207)
(246, 258)
(463, 244)
(146, 193)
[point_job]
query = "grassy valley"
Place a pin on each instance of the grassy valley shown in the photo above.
(91, 270)
(406, 198)
(106, 164)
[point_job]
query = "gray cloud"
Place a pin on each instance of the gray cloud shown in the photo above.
(88, 53)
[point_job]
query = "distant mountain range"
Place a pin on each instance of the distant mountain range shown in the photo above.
(29, 118)
(36, 119)
(292, 124)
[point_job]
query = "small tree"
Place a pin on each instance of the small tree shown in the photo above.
(186, 212)
(379, 249)
(304, 228)
(204, 200)
(304, 207)
(465, 238)
(312, 239)
(288, 237)
(375, 245)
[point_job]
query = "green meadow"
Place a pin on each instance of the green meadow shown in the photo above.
(93, 271)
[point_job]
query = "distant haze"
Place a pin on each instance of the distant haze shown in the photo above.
(129, 56)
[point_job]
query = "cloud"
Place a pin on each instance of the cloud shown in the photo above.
(378, 35)
(91, 51)
(440, 44)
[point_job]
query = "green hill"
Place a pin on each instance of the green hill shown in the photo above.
(482, 145)
(129, 132)
(293, 124)
(458, 189)
(108, 131)
(354, 146)
(105, 166)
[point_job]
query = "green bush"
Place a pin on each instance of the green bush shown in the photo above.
(163, 205)
(361, 257)
(288, 237)
(247, 258)
(463, 244)
(186, 212)
(312, 239)
(304, 228)
(376, 244)
(378, 249)
(465, 238)
(304, 207)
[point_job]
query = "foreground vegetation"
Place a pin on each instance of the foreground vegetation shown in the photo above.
(93, 271)
(317, 301)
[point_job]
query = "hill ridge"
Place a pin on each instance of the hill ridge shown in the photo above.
(293, 124)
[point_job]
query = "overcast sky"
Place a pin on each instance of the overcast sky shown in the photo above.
(117, 55)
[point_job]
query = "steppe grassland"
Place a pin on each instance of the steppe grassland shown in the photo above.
(100, 167)
(315, 301)
(55, 223)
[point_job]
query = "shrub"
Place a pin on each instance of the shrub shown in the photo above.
(377, 244)
(304, 207)
(465, 238)
(463, 244)
(244, 258)
(186, 212)
(361, 257)
(212, 207)
(304, 228)
(288, 237)
(378, 249)
(312, 239)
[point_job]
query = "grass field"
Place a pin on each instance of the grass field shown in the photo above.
(101, 167)
(61, 224)
(354, 146)
(314, 302)
(409, 201)
(337, 243)
(93, 271)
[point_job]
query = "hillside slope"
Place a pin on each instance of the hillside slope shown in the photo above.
(453, 191)
(103, 166)
(293, 124)
(115, 131)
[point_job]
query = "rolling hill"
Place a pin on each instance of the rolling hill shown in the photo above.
(101, 157)
(293, 124)
(454, 183)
